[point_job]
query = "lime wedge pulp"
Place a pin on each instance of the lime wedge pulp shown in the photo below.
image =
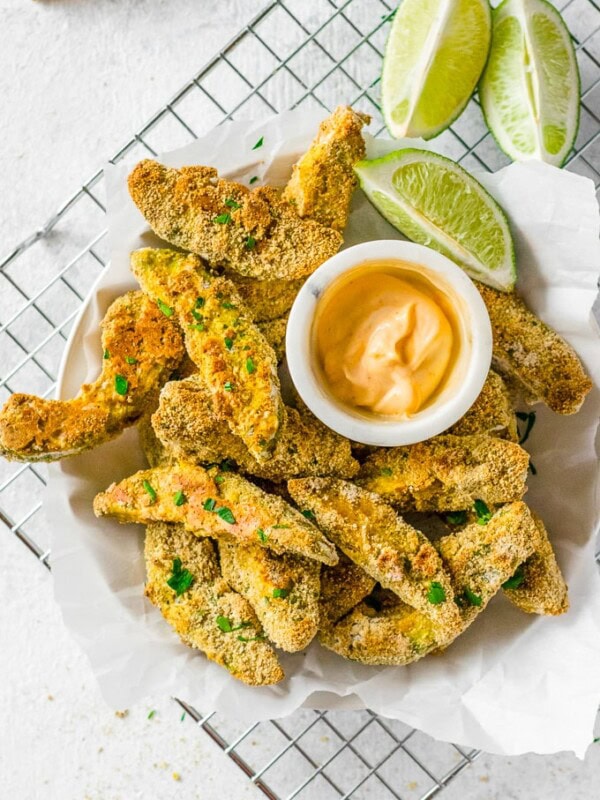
(530, 88)
(434, 56)
(435, 202)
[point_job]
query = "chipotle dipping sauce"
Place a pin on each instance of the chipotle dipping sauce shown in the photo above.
(386, 336)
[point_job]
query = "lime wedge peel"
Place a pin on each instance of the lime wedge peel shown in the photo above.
(530, 88)
(435, 202)
(434, 56)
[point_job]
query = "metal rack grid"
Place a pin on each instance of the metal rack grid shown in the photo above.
(286, 56)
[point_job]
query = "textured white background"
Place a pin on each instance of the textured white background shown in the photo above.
(76, 78)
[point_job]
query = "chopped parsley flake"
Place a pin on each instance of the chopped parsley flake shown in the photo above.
(228, 342)
(182, 717)
(106, 355)
(179, 498)
(227, 305)
(516, 580)
(472, 598)
(308, 514)
(484, 514)
(226, 515)
(219, 478)
(131, 360)
(209, 505)
(121, 384)
(436, 593)
(260, 143)
(529, 419)
(199, 302)
(181, 579)
(250, 243)
(223, 219)
(226, 625)
(149, 491)
(151, 714)
(228, 386)
(283, 593)
(456, 517)
(262, 535)
(166, 310)
(250, 366)
(386, 471)
(197, 326)
(253, 179)
(280, 526)
(258, 638)
(231, 203)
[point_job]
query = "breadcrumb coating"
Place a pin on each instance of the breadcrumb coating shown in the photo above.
(214, 503)
(492, 413)
(254, 233)
(343, 586)
(237, 364)
(187, 424)
(282, 589)
(141, 348)
(267, 300)
(543, 589)
(370, 533)
(274, 332)
(193, 614)
(447, 473)
(533, 355)
(323, 180)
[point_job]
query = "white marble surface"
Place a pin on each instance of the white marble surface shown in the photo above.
(76, 78)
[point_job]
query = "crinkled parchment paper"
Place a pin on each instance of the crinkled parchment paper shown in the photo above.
(512, 683)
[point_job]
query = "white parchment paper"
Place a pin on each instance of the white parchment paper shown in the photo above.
(512, 683)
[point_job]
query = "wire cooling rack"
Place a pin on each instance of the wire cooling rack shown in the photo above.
(292, 53)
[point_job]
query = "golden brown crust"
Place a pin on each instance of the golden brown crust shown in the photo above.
(253, 233)
(214, 504)
(267, 300)
(530, 352)
(343, 586)
(370, 533)
(193, 613)
(543, 589)
(274, 332)
(282, 589)
(237, 364)
(447, 473)
(187, 424)
(323, 180)
(140, 345)
(492, 413)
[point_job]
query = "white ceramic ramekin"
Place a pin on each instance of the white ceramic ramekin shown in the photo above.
(450, 405)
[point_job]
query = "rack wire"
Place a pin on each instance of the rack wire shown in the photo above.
(289, 54)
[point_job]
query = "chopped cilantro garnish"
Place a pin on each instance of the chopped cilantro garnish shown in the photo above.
(253, 179)
(436, 593)
(197, 315)
(149, 490)
(166, 310)
(182, 717)
(258, 638)
(228, 386)
(227, 305)
(386, 471)
(106, 355)
(260, 143)
(280, 526)
(131, 360)
(228, 342)
(283, 593)
(231, 203)
(250, 366)
(473, 599)
(262, 535)
(308, 514)
(196, 326)
(456, 517)
(223, 219)
(199, 302)
(226, 515)
(209, 505)
(529, 419)
(181, 579)
(250, 243)
(226, 626)
(151, 714)
(179, 498)
(516, 580)
(121, 385)
(484, 515)
(219, 478)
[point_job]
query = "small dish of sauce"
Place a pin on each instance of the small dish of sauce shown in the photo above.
(389, 343)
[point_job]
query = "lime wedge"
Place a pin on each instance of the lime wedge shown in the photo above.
(433, 201)
(433, 60)
(530, 88)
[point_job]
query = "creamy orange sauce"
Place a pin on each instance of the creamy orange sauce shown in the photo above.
(386, 337)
